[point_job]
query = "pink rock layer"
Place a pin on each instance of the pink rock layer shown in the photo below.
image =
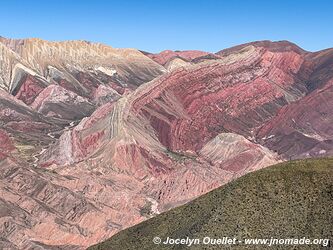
(167, 55)
(163, 144)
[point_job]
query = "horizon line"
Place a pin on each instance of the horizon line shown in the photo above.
(175, 50)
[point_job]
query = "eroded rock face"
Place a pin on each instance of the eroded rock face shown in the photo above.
(28, 66)
(168, 55)
(129, 65)
(104, 94)
(235, 94)
(60, 83)
(55, 101)
(234, 153)
(14, 112)
(205, 122)
(29, 89)
(304, 128)
(6, 145)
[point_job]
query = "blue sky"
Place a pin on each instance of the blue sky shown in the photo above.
(209, 25)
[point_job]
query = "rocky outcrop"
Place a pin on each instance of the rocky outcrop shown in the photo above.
(168, 55)
(129, 65)
(104, 94)
(65, 81)
(6, 145)
(55, 101)
(30, 65)
(302, 129)
(26, 130)
(235, 94)
(234, 153)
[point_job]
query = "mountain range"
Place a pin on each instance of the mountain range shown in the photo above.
(97, 139)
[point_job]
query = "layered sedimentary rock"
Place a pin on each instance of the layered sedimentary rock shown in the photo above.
(27, 129)
(65, 81)
(55, 101)
(6, 145)
(204, 122)
(168, 55)
(304, 128)
(104, 94)
(237, 93)
(28, 66)
(233, 152)
(157, 135)
(18, 117)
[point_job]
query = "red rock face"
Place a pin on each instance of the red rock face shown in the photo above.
(30, 65)
(104, 94)
(235, 98)
(280, 46)
(30, 88)
(55, 101)
(6, 145)
(167, 55)
(304, 128)
(73, 180)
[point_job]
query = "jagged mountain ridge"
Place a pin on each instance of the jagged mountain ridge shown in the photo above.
(194, 127)
(29, 65)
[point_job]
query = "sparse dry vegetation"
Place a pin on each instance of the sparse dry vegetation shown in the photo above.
(293, 199)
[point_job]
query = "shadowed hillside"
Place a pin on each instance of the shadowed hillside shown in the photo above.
(288, 200)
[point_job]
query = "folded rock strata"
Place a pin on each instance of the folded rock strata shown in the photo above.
(187, 129)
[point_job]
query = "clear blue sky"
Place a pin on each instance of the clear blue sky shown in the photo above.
(208, 25)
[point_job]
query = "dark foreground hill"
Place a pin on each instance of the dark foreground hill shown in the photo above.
(288, 200)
